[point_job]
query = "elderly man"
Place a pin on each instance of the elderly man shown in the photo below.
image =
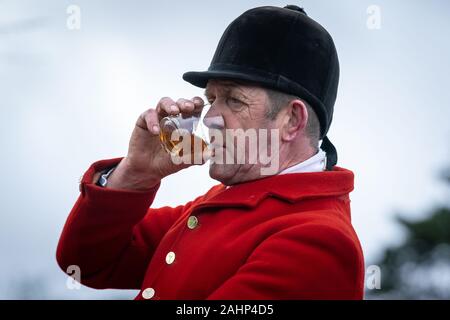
(283, 236)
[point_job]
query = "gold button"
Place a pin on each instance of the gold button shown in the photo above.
(170, 257)
(192, 222)
(148, 293)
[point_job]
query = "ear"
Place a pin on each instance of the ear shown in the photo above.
(294, 120)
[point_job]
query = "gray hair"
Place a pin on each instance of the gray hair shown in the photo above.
(278, 100)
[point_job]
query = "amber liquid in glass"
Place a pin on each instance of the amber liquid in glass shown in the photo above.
(175, 147)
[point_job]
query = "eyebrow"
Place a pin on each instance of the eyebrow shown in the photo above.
(228, 88)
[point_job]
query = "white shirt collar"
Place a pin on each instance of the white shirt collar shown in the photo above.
(316, 163)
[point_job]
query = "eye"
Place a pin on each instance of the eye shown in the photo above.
(234, 101)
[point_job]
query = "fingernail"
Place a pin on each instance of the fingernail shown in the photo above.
(155, 129)
(174, 108)
(188, 104)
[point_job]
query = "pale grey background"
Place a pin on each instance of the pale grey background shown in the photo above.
(69, 98)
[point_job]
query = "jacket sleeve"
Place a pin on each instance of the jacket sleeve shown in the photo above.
(302, 262)
(111, 235)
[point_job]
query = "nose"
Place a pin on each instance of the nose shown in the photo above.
(215, 122)
(214, 119)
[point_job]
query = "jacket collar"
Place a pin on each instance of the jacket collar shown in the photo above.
(289, 187)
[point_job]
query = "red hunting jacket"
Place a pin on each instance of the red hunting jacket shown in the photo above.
(281, 237)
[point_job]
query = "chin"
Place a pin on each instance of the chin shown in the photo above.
(220, 173)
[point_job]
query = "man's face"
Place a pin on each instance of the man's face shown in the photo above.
(237, 106)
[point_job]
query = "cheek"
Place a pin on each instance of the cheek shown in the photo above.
(240, 121)
(232, 121)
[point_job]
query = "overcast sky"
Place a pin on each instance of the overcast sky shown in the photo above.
(71, 97)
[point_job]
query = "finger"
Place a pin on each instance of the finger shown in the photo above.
(151, 121)
(199, 104)
(186, 106)
(166, 106)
